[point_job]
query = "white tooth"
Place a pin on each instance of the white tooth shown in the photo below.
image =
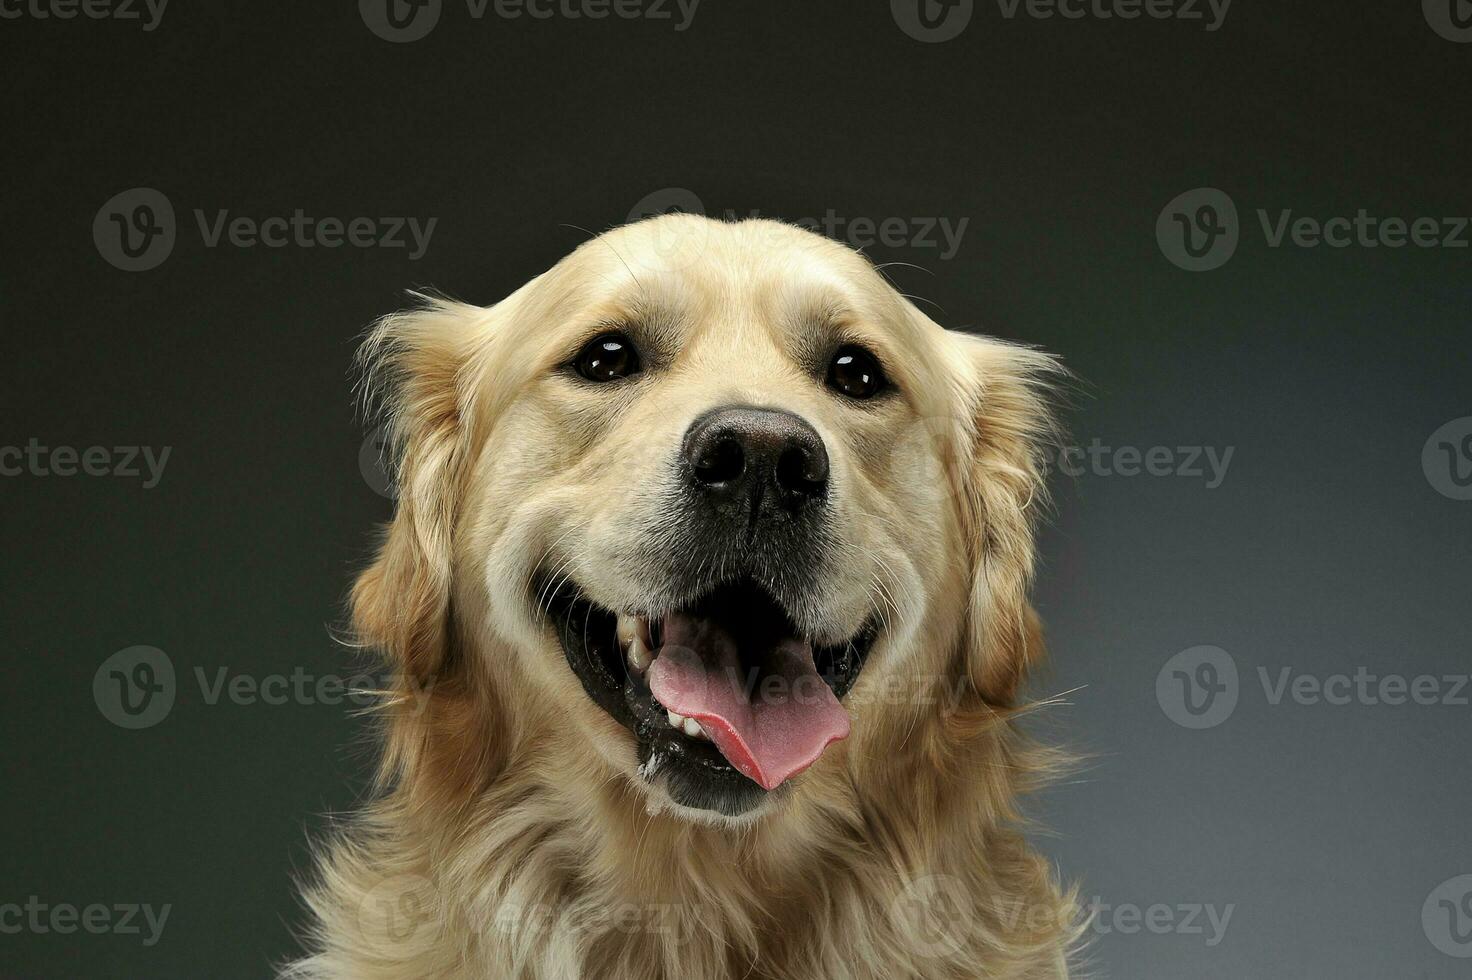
(638, 654)
(628, 628)
(676, 721)
(692, 728)
(631, 631)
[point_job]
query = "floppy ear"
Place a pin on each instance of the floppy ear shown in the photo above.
(415, 369)
(1008, 429)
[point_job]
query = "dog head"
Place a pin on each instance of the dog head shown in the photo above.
(687, 503)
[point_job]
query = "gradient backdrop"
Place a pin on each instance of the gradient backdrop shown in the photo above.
(1273, 793)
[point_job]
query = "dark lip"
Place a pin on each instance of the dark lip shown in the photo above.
(585, 631)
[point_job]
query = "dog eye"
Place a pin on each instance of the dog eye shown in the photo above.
(855, 372)
(607, 358)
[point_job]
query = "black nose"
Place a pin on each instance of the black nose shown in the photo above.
(742, 452)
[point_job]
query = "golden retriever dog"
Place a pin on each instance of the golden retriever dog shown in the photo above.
(707, 599)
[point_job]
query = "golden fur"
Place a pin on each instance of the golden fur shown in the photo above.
(512, 836)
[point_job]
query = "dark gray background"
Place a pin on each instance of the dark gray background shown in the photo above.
(1326, 548)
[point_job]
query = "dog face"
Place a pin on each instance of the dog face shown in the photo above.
(690, 497)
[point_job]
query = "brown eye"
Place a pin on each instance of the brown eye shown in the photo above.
(607, 358)
(854, 372)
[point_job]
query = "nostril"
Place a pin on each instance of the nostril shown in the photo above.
(721, 461)
(802, 471)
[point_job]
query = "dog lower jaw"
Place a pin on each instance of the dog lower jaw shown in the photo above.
(664, 805)
(690, 781)
(666, 793)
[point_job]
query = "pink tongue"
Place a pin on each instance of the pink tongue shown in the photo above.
(770, 727)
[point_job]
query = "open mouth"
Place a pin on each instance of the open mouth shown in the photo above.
(725, 696)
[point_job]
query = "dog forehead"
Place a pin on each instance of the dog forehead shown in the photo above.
(729, 282)
(685, 241)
